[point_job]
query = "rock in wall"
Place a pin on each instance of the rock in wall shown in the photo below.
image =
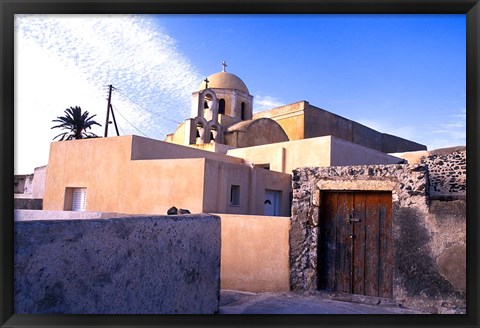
(448, 175)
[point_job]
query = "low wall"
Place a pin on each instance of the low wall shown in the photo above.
(30, 215)
(135, 265)
(255, 253)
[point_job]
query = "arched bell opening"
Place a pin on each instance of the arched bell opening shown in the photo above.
(208, 106)
(213, 134)
(199, 138)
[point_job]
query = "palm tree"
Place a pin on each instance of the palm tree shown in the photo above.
(76, 123)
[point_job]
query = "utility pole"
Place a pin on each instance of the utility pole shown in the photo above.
(110, 108)
(114, 120)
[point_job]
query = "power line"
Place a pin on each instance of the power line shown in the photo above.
(166, 118)
(152, 126)
(121, 130)
(110, 109)
(129, 122)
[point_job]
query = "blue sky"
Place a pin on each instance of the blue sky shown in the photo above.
(399, 74)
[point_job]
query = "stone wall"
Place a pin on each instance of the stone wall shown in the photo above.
(425, 238)
(27, 203)
(448, 175)
(23, 184)
(135, 265)
(30, 185)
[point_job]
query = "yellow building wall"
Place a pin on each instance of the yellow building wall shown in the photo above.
(290, 117)
(347, 153)
(287, 156)
(321, 123)
(178, 137)
(271, 180)
(321, 151)
(293, 126)
(117, 184)
(136, 175)
(156, 185)
(255, 253)
(145, 148)
(219, 177)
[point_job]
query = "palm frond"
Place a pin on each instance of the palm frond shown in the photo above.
(76, 123)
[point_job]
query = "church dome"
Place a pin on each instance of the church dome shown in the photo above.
(224, 80)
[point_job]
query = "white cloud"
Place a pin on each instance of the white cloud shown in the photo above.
(451, 133)
(385, 126)
(261, 103)
(69, 60)
(448, 133)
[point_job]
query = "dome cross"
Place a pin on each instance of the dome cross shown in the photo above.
(224, 64)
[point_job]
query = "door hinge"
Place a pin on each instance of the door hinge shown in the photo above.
(351, 219)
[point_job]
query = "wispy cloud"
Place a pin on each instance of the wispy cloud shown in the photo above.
(452, 132)
(448, 133)
(386, 126)
(261, 103)
(64, 61)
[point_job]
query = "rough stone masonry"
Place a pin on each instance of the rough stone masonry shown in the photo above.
(422, 238)
(448, 175)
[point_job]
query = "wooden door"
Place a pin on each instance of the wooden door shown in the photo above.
(355, 243)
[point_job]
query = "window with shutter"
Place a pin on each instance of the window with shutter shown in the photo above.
(79, 199)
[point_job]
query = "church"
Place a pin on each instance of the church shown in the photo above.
(294, 187)
(222, 114)
(224, 158)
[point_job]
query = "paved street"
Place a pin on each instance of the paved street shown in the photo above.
(236, 302)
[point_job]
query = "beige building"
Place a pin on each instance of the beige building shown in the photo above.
(222, 159)
(135, 175)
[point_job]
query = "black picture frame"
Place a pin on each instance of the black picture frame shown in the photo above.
(471, 8)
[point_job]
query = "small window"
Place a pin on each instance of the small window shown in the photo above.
(235, 195)
(79, 199)
(221, 106)
(263, 166)
(242, 114)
